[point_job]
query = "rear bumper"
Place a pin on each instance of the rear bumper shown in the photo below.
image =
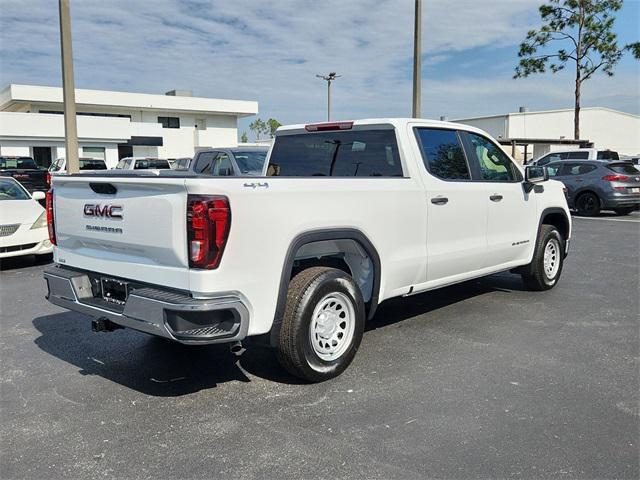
(163, 312)
(621, 200)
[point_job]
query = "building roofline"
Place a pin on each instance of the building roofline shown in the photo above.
(19, 93)
(537, 112)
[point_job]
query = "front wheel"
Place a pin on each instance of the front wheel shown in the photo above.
(322, 325)
(548, 258)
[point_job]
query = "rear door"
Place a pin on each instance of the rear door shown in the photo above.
(511, 212)
(132, 227)
(456, 210)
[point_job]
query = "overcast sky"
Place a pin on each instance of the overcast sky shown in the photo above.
(271, 51)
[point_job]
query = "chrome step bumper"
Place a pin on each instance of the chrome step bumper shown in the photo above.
(154, 310)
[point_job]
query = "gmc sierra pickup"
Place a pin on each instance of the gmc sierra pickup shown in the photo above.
(346, 215)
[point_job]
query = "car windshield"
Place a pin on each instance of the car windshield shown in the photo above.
(151, 163)
(18, 162)
(623, 168)
(250, 161)
(12, 190)
(57, 165)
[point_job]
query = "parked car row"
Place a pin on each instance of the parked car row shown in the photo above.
(595, 179)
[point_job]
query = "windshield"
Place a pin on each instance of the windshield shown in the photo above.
(623, 168)
(57, 165)
(150, 163)
(12, 190)
(250, 161)
(18, 162)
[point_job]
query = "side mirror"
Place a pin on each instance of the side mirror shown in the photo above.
(38, 196)
(535, 174)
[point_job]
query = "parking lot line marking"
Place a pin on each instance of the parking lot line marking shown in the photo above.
(609, 219)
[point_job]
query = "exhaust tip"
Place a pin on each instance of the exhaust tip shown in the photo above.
(236, 348)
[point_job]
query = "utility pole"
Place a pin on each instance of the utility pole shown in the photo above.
(68, 89)
(417, 60)
(329, 78)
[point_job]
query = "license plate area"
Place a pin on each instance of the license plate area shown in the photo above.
(635, 190)
(114, 291)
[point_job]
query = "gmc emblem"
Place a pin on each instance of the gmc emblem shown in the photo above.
(102, 211)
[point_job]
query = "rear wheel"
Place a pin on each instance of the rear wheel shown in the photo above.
(322, 324)
(548, 258)
(624, 211)
(588, 204)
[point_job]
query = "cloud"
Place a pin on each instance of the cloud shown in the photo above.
(270, 52)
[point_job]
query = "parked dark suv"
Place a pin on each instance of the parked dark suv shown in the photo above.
(595, 185)
(235, 162)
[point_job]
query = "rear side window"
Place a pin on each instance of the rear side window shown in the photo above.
(623, 168)
(578, 168)
(356, 153)
(608, 155)
(495, 165)
(442, 153)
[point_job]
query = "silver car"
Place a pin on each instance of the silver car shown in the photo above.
(595, 185)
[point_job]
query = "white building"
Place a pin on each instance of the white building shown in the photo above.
(603, 127)
(112, 125)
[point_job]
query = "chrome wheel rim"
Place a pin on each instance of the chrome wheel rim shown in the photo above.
(332, 326)
(552, 258)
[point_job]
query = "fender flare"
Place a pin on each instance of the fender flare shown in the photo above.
(316, 236)
(563, 213)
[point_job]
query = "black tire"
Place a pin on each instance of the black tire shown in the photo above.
(588, 204)
(309, 289)
(535, 276)
(623, 211)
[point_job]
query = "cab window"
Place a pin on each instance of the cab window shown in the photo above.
(494, 164)
(203, 163)
(442, 153)
(221, 165)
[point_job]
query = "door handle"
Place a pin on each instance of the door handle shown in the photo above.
(495, 197)
(439, 200)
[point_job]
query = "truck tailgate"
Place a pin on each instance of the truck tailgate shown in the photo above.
(129, 227)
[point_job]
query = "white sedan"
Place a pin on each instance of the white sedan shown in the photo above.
(23, 221)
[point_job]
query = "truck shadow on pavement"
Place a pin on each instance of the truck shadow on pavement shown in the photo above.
(157, 367)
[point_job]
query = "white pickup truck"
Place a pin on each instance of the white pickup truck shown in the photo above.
(346, 215)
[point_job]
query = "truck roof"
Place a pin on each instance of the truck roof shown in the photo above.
(396, 122)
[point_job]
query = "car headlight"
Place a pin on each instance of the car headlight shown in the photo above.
(41, 222)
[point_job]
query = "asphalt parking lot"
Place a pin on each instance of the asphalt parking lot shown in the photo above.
(481, 379)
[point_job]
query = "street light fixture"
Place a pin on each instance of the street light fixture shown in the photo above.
(329, 78)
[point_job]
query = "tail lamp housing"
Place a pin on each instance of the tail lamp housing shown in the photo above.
(50, 220)
(615, 178)
(208, 225)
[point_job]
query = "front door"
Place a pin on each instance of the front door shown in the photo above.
(511, 212)
(456, 210)
(42, 156)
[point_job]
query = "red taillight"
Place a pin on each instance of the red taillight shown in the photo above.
(208, 223)
(48, 178)
(323, 127)
(615, 178)
(50, 223)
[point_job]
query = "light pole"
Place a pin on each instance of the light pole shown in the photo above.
(68, 89)
(329, 78)
(417, 60)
